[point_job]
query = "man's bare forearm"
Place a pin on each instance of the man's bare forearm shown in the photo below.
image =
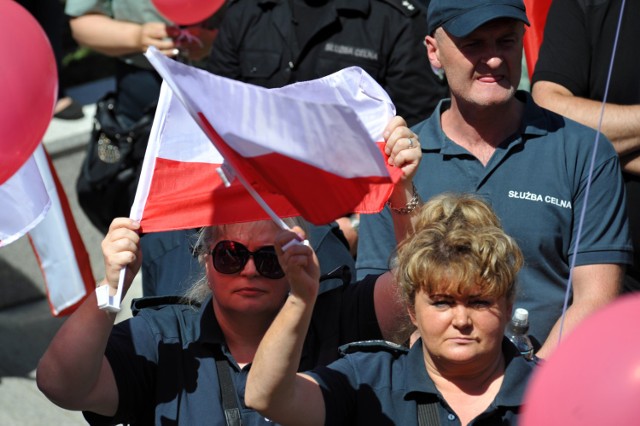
(620, 123)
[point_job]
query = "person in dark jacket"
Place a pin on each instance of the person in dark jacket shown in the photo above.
(272, 43)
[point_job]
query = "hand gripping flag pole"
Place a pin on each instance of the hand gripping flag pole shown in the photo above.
(111, 303)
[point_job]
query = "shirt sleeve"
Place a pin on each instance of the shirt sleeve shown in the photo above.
(77, 8)
(376, 243)
(358, 389)
(337, 383)
(565, 54)
(604, 236)
(132, 354)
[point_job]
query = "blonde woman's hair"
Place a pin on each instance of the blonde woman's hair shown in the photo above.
(200, 290)
(458, 247)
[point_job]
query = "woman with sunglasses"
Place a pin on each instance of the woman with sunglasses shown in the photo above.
(187, 364)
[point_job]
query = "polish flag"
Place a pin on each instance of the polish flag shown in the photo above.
(312, 149)
(59, 248)
(25, 202)
(34, 203)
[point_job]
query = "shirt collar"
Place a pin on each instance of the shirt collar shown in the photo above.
(534, 124)
(418, 380)
(511, 393)
(535, 120)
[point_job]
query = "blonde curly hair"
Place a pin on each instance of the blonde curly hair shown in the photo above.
(458, 247)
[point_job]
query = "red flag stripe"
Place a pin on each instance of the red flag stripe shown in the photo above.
(81, 257)
(537, 14)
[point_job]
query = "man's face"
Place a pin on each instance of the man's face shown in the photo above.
(483, 68)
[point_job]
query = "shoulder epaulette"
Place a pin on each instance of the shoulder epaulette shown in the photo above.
(157, 302)
(407, 7)
(372, 346)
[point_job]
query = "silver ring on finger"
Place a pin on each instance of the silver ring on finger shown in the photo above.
(410, 142)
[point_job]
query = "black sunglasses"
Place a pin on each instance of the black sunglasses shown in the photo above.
(230, 257)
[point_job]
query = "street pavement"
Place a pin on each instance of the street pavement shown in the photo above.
(26, 323)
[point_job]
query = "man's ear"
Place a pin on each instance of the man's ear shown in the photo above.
(432, 51)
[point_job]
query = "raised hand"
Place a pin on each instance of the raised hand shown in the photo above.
(121, 248)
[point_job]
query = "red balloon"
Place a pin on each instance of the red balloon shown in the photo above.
(187, 12)
(593, 377)
(29, 86)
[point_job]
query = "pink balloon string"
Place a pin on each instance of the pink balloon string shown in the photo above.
(591, 166)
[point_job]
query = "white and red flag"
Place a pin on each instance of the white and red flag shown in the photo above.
(58, 246)
(25, 202)
(311, 148)
(34, 202)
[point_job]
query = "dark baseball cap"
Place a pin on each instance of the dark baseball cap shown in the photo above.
(462, 17)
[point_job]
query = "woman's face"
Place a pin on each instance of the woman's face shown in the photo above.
(247, 291)
(459, 330)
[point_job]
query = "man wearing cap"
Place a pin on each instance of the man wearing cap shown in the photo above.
(533, 166)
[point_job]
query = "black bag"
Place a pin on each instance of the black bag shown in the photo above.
(107, 182)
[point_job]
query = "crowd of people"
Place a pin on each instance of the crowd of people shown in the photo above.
(504, 202)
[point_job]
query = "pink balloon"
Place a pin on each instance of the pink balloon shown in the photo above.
(29, 86)
(593, 377)
(187, 12)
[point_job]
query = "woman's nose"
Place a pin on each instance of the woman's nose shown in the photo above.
(461, 317)
(249, 269)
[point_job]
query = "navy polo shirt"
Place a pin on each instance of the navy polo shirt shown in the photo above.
(382, 388)
(164, 365)
(537, 183)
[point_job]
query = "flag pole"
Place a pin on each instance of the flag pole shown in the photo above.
(227, 183)
(263, 203)
(278, 221)
(112, 303)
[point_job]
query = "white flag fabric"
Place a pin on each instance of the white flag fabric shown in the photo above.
(61, 253)
(24, 202)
